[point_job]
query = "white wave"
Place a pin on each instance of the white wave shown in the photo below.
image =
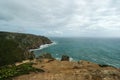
(44, 46)
(58, 58)
(71, 59)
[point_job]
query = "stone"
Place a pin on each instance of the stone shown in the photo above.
(65, 58)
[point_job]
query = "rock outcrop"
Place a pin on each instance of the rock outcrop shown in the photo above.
(65, 58)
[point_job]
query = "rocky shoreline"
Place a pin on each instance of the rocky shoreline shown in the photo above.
(68, 70)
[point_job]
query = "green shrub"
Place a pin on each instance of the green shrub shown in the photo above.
(7, 72)
(9, 52)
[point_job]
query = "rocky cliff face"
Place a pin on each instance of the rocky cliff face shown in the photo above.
(17, 45)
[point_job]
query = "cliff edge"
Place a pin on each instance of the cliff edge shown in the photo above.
(66, 70)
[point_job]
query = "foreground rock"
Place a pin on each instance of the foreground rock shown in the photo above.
(65, 70)
(65, 58)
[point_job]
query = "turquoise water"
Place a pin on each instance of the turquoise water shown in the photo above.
(99, 50)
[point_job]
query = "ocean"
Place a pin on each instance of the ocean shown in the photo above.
(104, 51)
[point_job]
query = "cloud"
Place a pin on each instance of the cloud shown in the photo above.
(54, 33)
(63, 17)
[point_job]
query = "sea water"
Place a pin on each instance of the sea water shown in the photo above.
(99, 50)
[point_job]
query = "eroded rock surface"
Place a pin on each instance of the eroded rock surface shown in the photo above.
(65, 70)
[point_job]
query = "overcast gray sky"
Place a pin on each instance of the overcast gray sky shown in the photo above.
(76, 18)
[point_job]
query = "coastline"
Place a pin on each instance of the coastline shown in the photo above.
(71, 58)
(44, 46)
(15, 46)
(95, 50)
(63, 69)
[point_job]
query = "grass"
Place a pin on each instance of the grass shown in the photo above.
(7, 72)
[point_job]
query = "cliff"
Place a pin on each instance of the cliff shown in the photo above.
(15, 47)
(66, 70)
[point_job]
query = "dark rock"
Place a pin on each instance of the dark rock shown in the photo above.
(104, 65)
(76, 67)
(65, 58)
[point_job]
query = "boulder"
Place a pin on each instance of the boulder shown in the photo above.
(65, 58)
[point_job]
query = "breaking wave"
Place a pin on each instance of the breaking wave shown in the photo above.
(44, 46)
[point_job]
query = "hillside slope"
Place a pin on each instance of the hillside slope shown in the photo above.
(15, 47)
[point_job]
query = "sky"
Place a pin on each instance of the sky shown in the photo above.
(61, 18)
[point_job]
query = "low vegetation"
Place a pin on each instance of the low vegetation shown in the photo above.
(9, 52)
(7, 72)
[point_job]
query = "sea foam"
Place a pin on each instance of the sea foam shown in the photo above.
(44, 46)
(58, 58)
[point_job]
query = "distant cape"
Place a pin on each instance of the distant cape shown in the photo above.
(14, 47)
